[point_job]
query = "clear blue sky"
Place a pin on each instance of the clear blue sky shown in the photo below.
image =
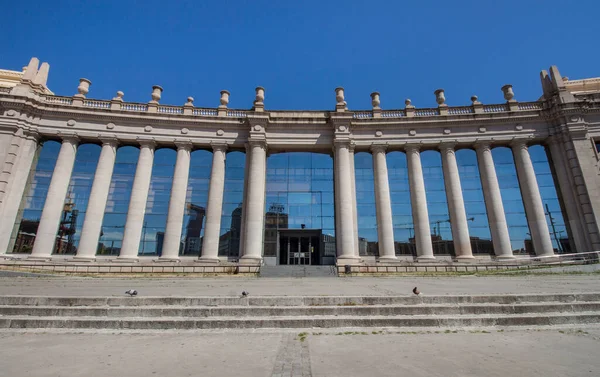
(300, 51)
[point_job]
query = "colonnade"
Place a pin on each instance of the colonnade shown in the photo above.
(252, 232)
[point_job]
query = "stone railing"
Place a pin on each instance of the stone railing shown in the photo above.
(205, 112)
(59, 100)
(96, 104)
(500, 108)
(237, 113)
(170, 110)
(461, 110)
(426, 112)
(4, 90)
(128, 106)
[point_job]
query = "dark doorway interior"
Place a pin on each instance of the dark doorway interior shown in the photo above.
(299, 247)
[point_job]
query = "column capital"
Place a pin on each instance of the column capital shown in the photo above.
(484, 145)
(352, 146)
(219, 146)
(186, 145)
(111, 140)
(148, 143)
(518, 144)
(71, 138)
(447, 146)
(412, 147)
(378, 148)
(257, 143)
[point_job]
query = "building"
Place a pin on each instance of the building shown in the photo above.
(565, 120)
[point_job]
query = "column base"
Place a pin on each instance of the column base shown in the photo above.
(505, 257)
(167, 260)
(125, 260)
(250, 261)
(426, 259)
(83, 259)
(352, 261)
(389, 260)
(208, 260)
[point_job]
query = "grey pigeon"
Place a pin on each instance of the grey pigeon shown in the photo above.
(416, 291)
(131, 292)
(245, 294)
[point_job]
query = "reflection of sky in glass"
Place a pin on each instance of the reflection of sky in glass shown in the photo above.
(302, 183)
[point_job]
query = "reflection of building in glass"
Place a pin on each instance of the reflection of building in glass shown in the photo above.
(229, 242)
(275, 219)
(193, 240)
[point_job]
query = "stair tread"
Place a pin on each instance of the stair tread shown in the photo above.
(299, 317)
(275, 307)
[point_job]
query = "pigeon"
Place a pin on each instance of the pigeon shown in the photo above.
(416, 291)
(131, 292)
(245, 294)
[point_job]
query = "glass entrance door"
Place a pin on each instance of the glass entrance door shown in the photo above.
(299, 250)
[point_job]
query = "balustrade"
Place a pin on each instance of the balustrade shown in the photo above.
(170, 110)
(530, 106)
(134, 107)
(495, 108)
(362, 114)
(426, 112)
(206, 112)
(460, 110)
(59, 100)
(393, 114)
(97, 104)
(236, 113)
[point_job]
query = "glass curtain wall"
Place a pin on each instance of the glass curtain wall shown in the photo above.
(365, 204)
(196, 201)
(34, 199)
(299, 195)
(117, 205)
(472, 191)
(233, 196)
(518, 229)
(157, 205)
(437, 204)
(404, 230)
(550, 199)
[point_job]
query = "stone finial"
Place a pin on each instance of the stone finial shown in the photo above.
(508, 92)
(407, 103)
(41, 78)
(156, 93)
(375, 101)
(224, 99)
(474, 100)
(440, 98)
(190, 101)
(119, 96)
(83, 88)
(339, 96)
(260, 95)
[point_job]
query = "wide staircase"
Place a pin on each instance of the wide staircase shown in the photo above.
(297, 271)
(252, 312)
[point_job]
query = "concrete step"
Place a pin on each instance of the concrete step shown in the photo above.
(297, 271)
(266, 311)
(296, 300)
(165, 323)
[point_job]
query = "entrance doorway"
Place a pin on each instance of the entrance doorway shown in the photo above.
(299, 247)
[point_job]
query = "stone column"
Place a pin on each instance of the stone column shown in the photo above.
(385, 226)
(137, 204)
(172, 240)
(354, 206)
(419, 204)
(254, 227)
(493, 201)
(456, 204)
(344, 202)
(94, 214)
(12, 207)
(212, 233)
(534, 208)
(55, 200)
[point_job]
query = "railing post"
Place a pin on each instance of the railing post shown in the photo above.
(116, 102)
(222, 110)
(82, 90)
(376, 102)
(441, 101)
(410, 109)
(188, 106)
(477, 106)
(156, 94)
